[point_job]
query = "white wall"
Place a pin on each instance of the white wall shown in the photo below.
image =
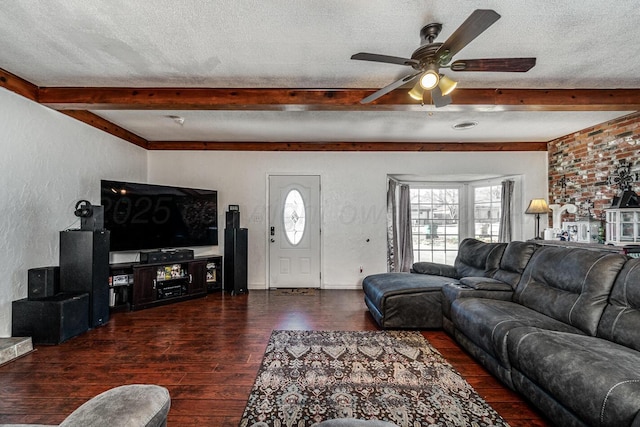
(353, 196)
(48, 162)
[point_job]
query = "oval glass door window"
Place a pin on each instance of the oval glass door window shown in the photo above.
(294, 217)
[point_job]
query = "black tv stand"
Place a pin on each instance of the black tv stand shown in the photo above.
(136, 286)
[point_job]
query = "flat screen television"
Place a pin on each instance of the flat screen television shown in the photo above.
(148, 216)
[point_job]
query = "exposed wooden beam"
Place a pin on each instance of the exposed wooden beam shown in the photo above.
(75, 102)
(106, 126)
(18, 85)
(347, 146)
(97, 98)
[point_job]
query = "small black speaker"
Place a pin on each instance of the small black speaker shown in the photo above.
(233, 219)
(43, 282)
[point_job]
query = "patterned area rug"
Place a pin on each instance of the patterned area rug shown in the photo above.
(310, 376)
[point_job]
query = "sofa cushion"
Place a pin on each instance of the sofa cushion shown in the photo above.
(571, 285)
(377, 287)
(515, 258)
(477, 258)
(487, 322)
(620, 321)
(435, 268)
(597, 380)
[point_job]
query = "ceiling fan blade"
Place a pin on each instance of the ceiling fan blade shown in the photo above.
(385, 90)
(439, 100)
(363, 56)
(476, 24)
(514, 65)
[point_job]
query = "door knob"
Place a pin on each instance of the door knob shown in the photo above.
(273, 240)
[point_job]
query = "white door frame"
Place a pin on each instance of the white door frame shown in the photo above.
(268, 225)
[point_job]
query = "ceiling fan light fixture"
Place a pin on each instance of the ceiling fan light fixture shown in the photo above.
(417, 92)
(447, 85)
(431, 56)
(429, 79)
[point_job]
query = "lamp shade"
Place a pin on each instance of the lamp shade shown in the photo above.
(417, 92)
(537, 206)
(447, 85)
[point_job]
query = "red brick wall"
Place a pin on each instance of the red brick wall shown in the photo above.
(586, 160)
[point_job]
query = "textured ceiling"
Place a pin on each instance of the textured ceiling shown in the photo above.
(579, 44)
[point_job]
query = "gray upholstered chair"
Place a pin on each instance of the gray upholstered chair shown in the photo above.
(135, 405)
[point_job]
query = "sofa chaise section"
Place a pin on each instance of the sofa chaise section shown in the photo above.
(405, 300)
(414, 300)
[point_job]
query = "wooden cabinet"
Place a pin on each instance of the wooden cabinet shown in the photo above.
(143, 287)
(164, 283)
(197, 275)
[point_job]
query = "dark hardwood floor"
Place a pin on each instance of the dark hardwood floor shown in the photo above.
(206, 352)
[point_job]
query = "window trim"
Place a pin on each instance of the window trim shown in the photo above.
(462, 215)
(466, 190)
(517, 220)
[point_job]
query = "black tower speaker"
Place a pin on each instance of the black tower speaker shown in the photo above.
(84, 267)
(235, 260)
(43, 282)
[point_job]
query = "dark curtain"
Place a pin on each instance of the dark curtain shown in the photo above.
(399, 239)
(506, 223)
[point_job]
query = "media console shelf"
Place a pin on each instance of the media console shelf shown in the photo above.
(136, 286)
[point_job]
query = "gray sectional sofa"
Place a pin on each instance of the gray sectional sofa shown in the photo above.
(560, 325)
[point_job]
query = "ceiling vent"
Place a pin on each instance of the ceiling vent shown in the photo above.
(464, 125)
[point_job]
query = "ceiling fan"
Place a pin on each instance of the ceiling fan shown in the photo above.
(430, 57)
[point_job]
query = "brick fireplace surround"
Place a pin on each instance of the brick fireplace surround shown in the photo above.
(586, 160)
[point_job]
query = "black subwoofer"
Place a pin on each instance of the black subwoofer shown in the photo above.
(84, 267)
(51, 320)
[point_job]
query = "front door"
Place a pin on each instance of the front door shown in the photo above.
(294, 231)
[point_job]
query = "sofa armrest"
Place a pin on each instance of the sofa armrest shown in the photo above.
(485, 284)
(435, 269)
(454, 291)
